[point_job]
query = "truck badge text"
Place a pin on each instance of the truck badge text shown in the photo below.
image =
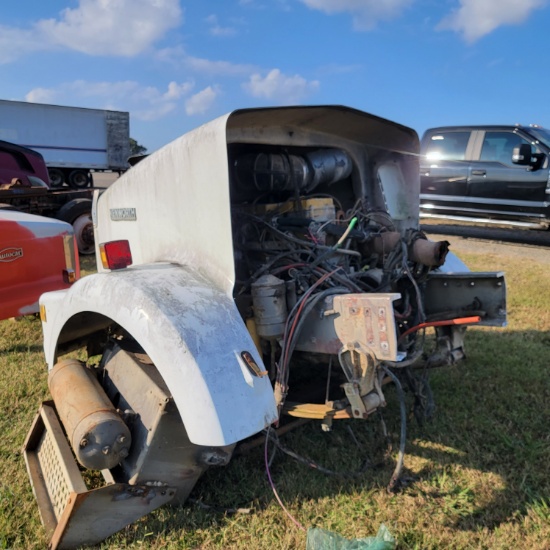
(123, 214)
(10, 254)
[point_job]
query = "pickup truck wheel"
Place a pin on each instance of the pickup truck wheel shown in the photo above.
(78, 213)
(79, 179)
(57, 178)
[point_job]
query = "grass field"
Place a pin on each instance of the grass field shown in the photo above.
(479, 472)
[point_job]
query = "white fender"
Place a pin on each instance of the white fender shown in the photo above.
(192, 332)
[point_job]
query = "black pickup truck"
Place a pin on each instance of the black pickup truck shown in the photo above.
(23, 187)
(489, 174)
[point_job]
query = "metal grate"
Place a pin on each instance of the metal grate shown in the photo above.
(53, 473)
(51, 466)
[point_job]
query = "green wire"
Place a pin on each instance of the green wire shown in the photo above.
(351, 225)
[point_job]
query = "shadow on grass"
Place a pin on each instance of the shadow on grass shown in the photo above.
(490, 447)
(22, 348)
(481, 462)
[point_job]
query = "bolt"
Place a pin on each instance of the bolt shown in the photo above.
(83, 442)
(106, 450)
(121, 438)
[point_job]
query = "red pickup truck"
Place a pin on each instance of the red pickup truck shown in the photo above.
(37, 254)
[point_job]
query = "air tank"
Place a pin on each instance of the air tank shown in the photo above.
(99, 437)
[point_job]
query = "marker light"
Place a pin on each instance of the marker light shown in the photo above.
(69, 276)
(115, 254)
(71, 273)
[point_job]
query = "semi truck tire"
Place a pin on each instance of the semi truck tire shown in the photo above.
(79, 179)
(57, 177)
(78, 213)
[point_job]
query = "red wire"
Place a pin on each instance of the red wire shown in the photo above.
(458, 321)
(266, 460)
(296, 317)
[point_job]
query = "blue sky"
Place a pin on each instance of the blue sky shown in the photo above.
(175, 64)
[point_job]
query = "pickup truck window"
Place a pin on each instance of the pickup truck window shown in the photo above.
(541, 135)
(447, 146)
(499, 146)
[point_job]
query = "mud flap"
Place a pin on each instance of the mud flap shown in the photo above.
(72, 514)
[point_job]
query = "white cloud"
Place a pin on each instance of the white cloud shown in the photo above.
(155, 112)
(144, 102)
(16, 42)
(366, 13)
(216, 67)
(201, 101)
(179, 58)
(217, 30)
(175, 90)
(95, 27)
(279, 87)
(476, 18)
(41, 95)
(112, 27)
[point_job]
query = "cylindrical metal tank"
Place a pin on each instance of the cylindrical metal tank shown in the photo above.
(98, 435)
(269, 303)
(328, 166)
(268, 172)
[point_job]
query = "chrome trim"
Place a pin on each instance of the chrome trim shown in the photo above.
(485, 211)
(485, 200)
(527, 225)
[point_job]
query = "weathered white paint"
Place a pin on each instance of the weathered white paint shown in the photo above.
(181, 198)
(185, 316)
(194, 335)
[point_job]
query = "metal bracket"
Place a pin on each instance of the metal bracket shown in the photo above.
(460, 294)
(358, 408)
(365, 319)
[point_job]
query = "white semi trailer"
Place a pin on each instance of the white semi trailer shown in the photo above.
(73, 140)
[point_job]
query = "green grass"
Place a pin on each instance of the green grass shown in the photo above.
(480, 471)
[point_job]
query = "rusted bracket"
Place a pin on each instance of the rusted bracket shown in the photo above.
(72, 514)
(354, 397)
